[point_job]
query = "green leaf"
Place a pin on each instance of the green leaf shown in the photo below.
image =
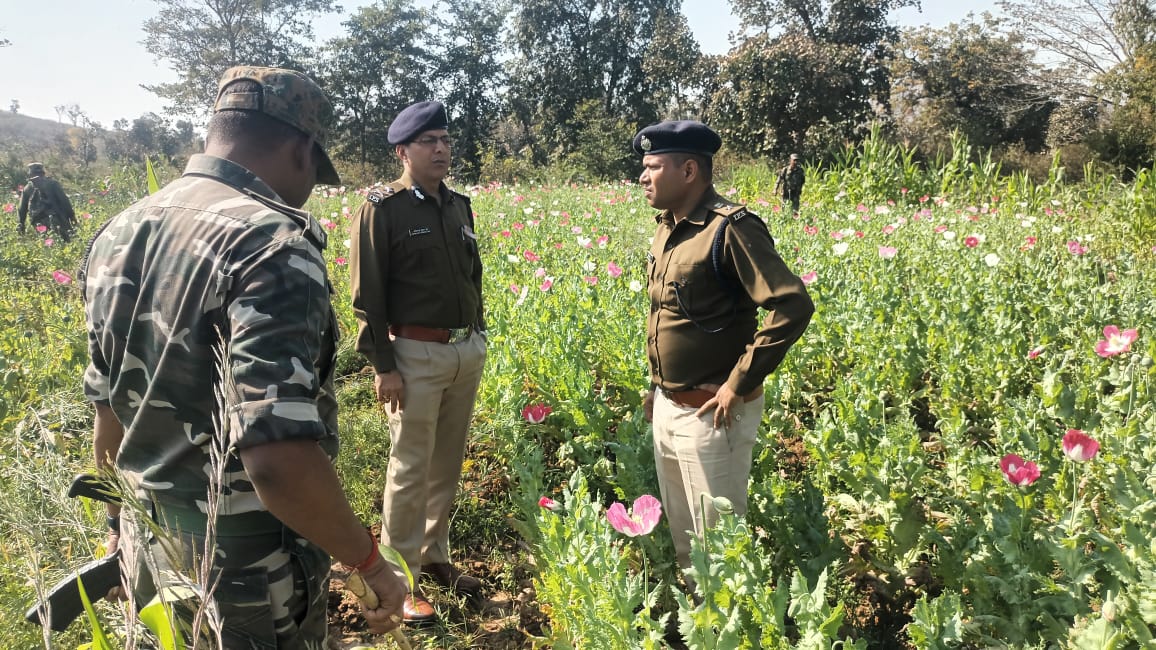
(99, 639)
(152, 177)
(157, 617)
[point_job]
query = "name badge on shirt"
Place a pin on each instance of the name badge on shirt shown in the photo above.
(419, 231)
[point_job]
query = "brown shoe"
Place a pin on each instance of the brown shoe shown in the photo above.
(450, 577)
(416, 609)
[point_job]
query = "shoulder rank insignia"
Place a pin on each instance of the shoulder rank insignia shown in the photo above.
(730, 211)
(378, 194)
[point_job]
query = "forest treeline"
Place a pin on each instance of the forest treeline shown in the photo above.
(540, 88)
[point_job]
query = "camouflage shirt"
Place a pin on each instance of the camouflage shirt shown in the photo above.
(212, 261)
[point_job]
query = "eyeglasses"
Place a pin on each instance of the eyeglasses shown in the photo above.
(429, 140)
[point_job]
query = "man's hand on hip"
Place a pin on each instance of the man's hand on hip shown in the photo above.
(723, 403)
(390, 389)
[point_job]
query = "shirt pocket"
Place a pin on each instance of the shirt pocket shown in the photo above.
(694, 291)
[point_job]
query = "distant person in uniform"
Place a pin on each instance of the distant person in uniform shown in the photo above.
(44, 203)
(417, 294)
(711, 266)
(789, 185)
(210, 332)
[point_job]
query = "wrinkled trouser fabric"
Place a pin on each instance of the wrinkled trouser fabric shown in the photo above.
(271, 590)
(695, 458)
(428, 444)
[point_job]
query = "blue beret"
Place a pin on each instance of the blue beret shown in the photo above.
(416, 119)
(685, 136)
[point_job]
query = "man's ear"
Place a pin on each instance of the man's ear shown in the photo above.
(690, 169)
(402, 153)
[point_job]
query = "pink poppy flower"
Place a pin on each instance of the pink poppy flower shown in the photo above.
(576, 230)
(591, 280)
(887, 252)
(49, 242)
(515, 289)
(530, 256)
(1029, 243)
(971, 241)
(641, 519)
(536, 413)
(837, 235)
(86, 215)
(548, 504)
(1076, 248)
(518, 226)
(859, 234)
(8, 207)
(1115, 342)
(602, 241)
(42, 228)
(61, 277)
(547, 284)
(923, 199)
(540, 272)
(904, 190)
(505, 233)
(808, 278)
(1017, 471)
(340, 261)
(1079, 446)
(940, 228)
(887, 230)
(613, 269)
(811, 230)
(1035, 352)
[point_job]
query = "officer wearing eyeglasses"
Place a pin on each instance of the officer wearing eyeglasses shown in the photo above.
(712, 265)
(417, 294)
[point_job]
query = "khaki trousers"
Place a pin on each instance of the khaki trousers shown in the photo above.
(694, 458)
(428, 442)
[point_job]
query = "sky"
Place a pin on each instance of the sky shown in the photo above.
(89, 52)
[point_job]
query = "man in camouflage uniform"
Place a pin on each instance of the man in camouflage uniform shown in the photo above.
(44, 202)
(215, 289)
(790, 182)
(417, 294)
(712, 265)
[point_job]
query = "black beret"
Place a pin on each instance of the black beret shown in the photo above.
(416, 119)
(685, 136)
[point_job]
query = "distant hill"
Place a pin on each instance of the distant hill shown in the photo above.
(29, 137)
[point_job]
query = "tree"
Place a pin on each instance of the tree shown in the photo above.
(568, 53)
(1088, 38)
(470, 76)
(813, 73)
(974, 78)
(14, 106)
(200, 39)
(378, 68)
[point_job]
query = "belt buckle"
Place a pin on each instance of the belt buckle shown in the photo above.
(459, 334)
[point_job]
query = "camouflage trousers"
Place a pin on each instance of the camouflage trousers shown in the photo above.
(269, 591)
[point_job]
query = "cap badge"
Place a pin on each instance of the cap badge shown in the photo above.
(646, 144)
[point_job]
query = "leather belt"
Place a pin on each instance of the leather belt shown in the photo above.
(432, 334)
(697, 397)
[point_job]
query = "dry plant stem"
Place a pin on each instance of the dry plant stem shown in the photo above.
(356, 586)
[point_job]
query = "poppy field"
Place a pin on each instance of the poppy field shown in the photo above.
(958, 453)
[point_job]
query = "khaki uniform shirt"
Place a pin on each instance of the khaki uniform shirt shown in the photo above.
(413, 261)
(213, 266)
(688, 302)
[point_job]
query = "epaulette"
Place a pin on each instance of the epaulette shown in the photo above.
(732, 211)
(379, 194)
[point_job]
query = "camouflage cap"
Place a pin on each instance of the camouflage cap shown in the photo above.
(286, 95)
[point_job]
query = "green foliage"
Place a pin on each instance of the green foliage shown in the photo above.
(200, 39)
(374, 71)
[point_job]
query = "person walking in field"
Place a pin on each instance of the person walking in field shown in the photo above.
(417, 294)
(44, 203)
(790, 183)
(212, 346)
(711, 266)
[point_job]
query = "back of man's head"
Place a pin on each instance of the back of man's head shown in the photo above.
(36, 169)
(248, 128)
